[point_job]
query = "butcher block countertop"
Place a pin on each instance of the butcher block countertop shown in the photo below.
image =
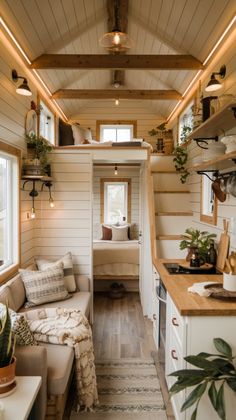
(188, 303)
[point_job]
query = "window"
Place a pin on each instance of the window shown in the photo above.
(46, 123)
(116, 131)
(9, 207)
(208, 202)
(186, 123)
(115, 200)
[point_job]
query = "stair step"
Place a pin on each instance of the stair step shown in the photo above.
(164, 172)
(169, 237)
(171, 192)
(174, 213)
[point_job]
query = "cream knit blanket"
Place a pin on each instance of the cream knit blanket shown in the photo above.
(70, 327)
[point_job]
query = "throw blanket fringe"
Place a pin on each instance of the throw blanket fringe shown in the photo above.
(70, 327)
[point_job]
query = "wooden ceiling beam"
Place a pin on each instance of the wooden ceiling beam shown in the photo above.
(116, 94)
(117, 61)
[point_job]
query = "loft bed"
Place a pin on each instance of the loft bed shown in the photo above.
(116, 260)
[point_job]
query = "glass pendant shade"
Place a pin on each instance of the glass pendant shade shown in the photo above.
(116, 41)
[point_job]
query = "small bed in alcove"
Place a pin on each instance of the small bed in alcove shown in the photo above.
(115, 260)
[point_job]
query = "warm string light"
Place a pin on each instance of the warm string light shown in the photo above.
(196, 77)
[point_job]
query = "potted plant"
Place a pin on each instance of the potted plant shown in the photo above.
(164, 138)
(185, 131)
(213, 373)
(37, 151)
(194, 239)
(180, 160)
(7, 348)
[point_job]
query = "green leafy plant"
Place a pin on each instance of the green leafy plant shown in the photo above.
(180, 160)
(213, 373)
(41, 146)
(7, 342)
(160, 130)
(195, 238)
(185, 131)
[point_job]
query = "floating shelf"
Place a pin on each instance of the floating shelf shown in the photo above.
(223, 120)
(42, 178)
(221, 162)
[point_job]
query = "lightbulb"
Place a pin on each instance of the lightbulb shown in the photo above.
(116, 39)
(116, 170)
(51, 202)
(32, 214)
(117, 101)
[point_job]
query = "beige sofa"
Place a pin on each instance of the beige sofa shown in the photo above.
(54, 363)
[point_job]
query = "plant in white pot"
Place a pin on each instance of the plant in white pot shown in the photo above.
(7, 348)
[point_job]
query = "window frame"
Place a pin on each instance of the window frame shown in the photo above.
(13, 268)
(105, 181)
(39, 100)
(115, 122)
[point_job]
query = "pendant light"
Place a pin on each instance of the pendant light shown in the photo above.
(213, 83)
(116, 170)
(116, 41)
(23, 89)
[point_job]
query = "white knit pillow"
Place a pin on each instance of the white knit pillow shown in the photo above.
(44, 286)
(69, 278)
(119, 233)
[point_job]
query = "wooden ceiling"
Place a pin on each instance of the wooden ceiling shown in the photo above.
(171, 39)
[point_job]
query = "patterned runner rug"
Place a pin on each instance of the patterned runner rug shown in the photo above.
(128, 389)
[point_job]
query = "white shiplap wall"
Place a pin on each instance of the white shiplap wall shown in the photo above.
(13, 109)
(101, 172)
(68, 226)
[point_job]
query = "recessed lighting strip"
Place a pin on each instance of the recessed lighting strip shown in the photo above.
(3, 23)
(196, 77)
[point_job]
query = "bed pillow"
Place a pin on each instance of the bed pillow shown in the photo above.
(120, 233)
(80, 134)
(44, 286)
(69, 278)
(106, 233)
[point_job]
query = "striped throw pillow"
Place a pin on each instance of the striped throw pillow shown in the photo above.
(44, 286)
(67, 261)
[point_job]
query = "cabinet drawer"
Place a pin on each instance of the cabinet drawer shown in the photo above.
(177, 324)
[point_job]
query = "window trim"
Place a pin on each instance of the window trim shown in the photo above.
(115, 122)
(40, 98)
(102, 197)
(11, 270)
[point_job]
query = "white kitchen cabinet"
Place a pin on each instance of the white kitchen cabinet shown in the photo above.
(187, 335)
(155, 303)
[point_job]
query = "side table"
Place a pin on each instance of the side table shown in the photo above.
(18, 405)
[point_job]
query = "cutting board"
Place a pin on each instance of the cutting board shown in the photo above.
(223, 247)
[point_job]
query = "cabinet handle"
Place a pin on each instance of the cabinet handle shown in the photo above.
(173, 355)
(154, 317)
(174, 322)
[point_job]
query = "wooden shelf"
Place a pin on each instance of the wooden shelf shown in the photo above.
(174, 213)
(171, 192)
(217, 124)
(169, 237)
(42, 178)
(221, 162)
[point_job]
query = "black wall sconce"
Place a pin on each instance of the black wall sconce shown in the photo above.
(34, 193)
(23, 89)
(48, 184)
(213, 83)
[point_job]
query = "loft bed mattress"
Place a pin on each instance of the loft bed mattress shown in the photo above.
(116, 258)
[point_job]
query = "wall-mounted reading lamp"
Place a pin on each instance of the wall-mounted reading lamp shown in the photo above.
(23, 89)
(116, 170)
(213, 83)
(48, 184)
(34, 193)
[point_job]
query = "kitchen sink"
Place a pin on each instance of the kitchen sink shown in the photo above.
(174, 268)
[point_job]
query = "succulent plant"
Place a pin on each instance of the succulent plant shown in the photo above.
(7, 341)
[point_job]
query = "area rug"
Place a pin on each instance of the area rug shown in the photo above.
(128, 389)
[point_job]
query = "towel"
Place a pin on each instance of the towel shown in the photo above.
(199, 288)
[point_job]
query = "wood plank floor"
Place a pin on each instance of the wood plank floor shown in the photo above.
(120, 329)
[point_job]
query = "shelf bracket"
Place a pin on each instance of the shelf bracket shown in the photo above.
(204, 140)
(214, 173)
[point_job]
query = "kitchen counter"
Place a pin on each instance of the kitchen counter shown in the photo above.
(188, 303)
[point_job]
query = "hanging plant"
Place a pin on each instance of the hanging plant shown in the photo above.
(180, 160)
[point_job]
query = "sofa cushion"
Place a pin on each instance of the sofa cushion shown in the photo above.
(21, 330)
(6, 297)
(44, 286)
(69, 278)
(18, 291)
(59, 367)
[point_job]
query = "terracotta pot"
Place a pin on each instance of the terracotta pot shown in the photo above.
(7, 378)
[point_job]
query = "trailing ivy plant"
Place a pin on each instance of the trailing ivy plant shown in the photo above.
(180, 160)
(213, 374)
